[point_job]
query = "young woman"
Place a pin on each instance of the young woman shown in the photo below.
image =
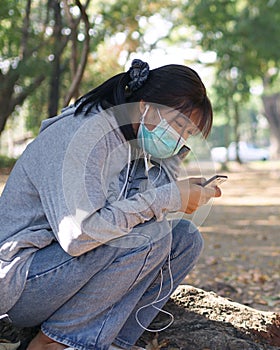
(86, 249)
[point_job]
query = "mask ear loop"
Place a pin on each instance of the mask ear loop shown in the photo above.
(143, 146)
(160, 117)
(147, 107)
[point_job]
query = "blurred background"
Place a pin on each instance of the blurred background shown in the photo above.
(53, 51)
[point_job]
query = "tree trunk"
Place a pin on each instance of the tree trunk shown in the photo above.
(56, 64)
(7, 83)
(7, 93)
(272, 112)
(78, 69)
(236, 130)
(205, 321)
(9, 98)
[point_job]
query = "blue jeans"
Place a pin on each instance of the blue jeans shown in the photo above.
(90, 301)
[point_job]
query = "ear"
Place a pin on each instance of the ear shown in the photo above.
(143, 107)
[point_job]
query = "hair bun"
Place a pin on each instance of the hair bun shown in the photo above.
(138, 73)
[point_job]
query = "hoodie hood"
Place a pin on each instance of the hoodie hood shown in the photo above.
(65, 112)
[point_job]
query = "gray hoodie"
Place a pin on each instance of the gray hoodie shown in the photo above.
(66, 187)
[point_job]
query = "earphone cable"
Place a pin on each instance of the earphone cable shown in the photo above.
(157, 300)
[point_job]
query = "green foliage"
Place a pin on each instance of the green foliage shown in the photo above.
(10, 26)
(6, 162)
(242, 33)
(38, 42)
(244, 36)
(36, 109)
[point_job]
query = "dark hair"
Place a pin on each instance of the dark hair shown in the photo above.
(174, 85)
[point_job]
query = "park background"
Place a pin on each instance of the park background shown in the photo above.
(51, 52)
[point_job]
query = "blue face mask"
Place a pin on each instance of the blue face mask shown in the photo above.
(161, 142)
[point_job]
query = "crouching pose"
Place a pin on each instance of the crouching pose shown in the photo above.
(87, 248)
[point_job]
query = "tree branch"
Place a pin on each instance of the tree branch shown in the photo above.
(24, 39)
(84, 56)
(19, 99)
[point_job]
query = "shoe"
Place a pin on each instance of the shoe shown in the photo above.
(9, 335)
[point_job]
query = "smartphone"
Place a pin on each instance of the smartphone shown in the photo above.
(215, 180)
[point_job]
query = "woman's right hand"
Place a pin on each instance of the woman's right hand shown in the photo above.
(193, 195)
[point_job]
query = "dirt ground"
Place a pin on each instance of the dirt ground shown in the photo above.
(241, 257)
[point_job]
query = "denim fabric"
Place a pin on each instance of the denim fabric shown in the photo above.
(89, 302)
(187, 244)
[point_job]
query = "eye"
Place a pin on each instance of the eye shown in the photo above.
(179, 123)
(190, 132)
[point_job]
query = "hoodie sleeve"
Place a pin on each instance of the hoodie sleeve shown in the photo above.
(96, 215)
(119, 218)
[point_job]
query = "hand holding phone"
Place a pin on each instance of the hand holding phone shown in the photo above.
(215, 180)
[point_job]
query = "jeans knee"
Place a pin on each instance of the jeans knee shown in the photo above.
(198, 241)
(158, 235)
(186, 239)
(162, 247)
